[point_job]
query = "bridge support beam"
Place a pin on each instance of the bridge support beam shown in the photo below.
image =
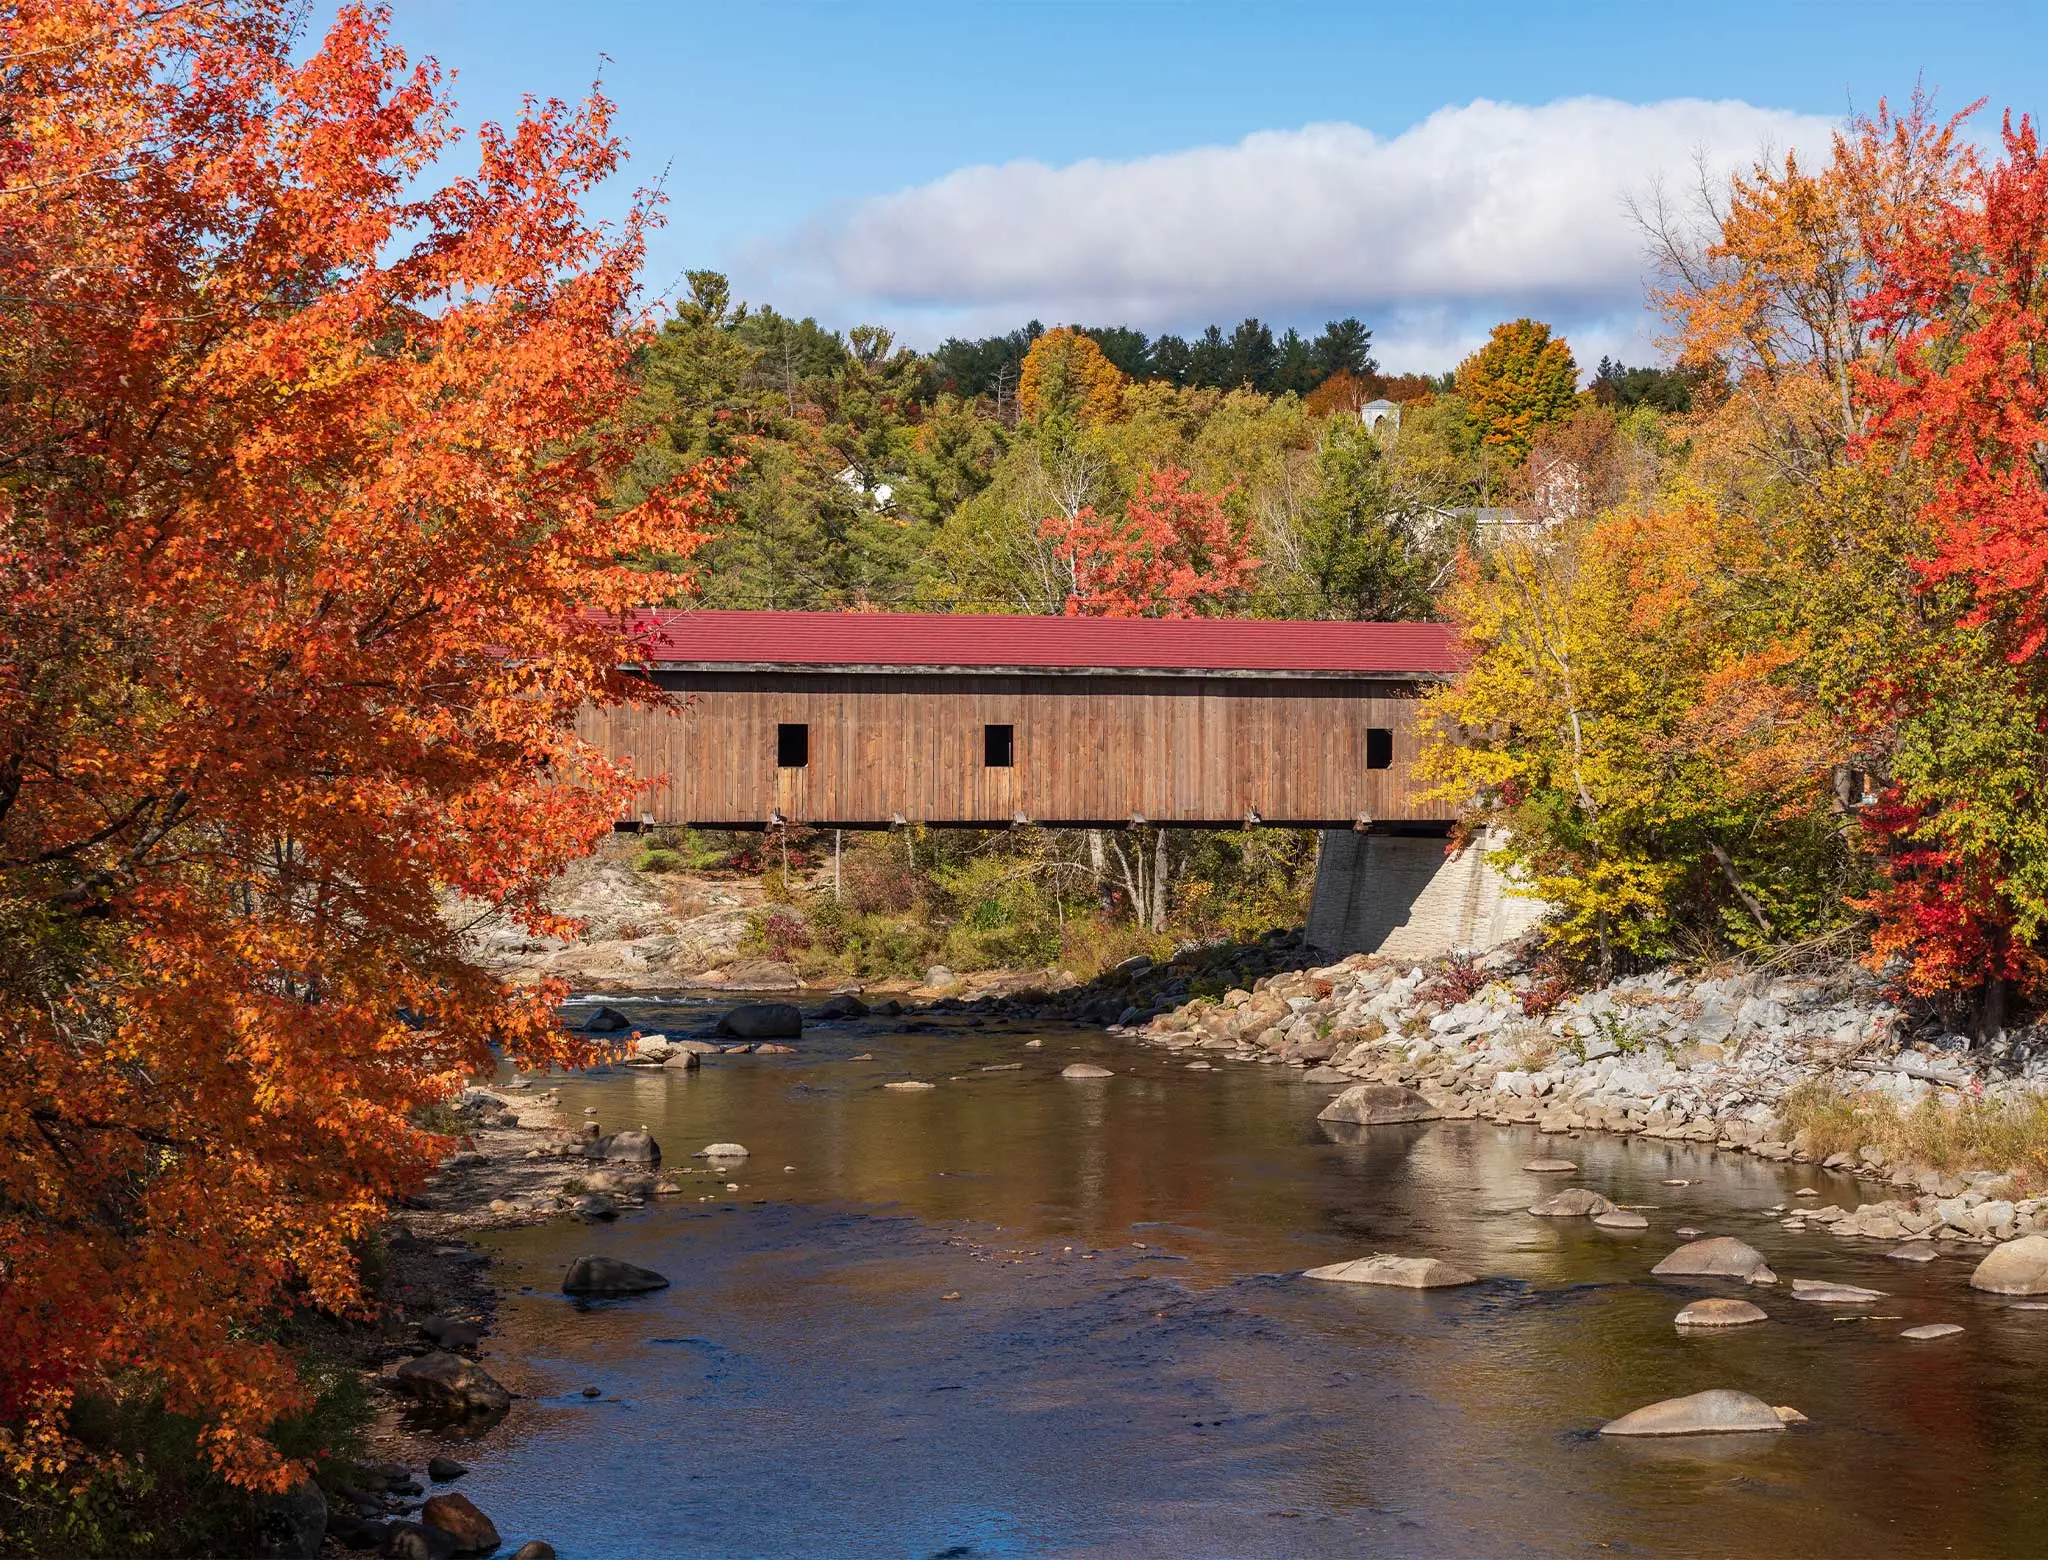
(1410, 897)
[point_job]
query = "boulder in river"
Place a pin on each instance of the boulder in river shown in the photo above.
(451, 1332)
(1914, 1251)
(843, 1004)
(1551, 1167)
(1621, 1219)
(683, 1061)
(634, 1146)
(1378, 1105)
(534, 1549)
(762, 1021)
(610, 1276)
(1574, 1202)
(457, 1516)
(416, 1541)
(1819, 1292)
(1928, 1331)
(1708, 1314)
(2019, 1267)
(1718, 1411)
(291, 1524)
(606, 1021)
(442, 1469)
(1394, 1272)
(1085, 1070)
(721, 1151)
(1718, 1256)
(448, 1381)
(910, 1085)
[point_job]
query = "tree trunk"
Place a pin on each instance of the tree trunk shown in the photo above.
(1160, 877)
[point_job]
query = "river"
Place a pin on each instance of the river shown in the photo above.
(1018, 1315)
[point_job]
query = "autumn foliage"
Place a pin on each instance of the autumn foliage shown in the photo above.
(1522, 379)
(1793, 691)
(1065, 374)
(306, 563)
(1176, 551)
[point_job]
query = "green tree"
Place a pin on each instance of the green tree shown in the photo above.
(1357, 555)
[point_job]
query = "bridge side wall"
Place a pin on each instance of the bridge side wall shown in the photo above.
(1089, 749)
(1410, 898)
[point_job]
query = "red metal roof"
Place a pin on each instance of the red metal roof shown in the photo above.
(990, 642)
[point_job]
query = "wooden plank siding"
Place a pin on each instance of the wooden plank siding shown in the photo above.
(1091, 749)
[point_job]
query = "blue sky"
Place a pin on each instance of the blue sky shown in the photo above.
(963, 167)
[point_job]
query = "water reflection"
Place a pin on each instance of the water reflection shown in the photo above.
(1128, 1369)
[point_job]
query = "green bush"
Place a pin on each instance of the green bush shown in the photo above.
(657, 859)
(153, 1493)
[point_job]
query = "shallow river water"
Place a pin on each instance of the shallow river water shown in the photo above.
(1018, 1315)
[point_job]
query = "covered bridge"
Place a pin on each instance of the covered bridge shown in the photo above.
(866, 720)
(860, 720)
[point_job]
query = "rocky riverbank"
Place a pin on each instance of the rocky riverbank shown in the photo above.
(1720, 1060)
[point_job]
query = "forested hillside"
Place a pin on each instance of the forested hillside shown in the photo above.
(875, 477)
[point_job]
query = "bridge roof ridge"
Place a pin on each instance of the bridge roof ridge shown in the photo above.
(1012, 642)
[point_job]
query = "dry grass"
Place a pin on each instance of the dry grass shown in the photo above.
(1974, 1135)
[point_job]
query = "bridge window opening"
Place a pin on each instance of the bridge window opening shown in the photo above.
(792, 746)
(999, 747)
(1379, 748)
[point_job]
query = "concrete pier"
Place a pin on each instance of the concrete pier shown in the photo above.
(1411, 896)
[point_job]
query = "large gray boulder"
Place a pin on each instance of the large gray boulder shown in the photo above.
(762, 1021)
(1378, 1105)
(291, 1525)
(635, 1146)
(1715, 1412)
(2019, 1267)
(450, 1382)
(610, 1276)
(1706, 1314)
(1718, 1256)
(1085, 1070)
(457, 1516)
(1573, 1203)
(1394, 1272)
(1820, 1292)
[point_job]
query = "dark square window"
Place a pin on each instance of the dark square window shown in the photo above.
(999, 746)
(1379, 748)
(792, 746)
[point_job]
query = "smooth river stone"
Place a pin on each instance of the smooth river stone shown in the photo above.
(1378, 1105)
(721, 1151)
(2019, 1267)
(1715, 1412)
(1085, 1070)
(1574, 1203)
(1931, 1330)
(908, 1084)
(1621, 1219)
(1396, 1272)
(1718, 1256)
(1914, 1251)
(1719, 1313)
(1551, 1167)
(1822, 1293)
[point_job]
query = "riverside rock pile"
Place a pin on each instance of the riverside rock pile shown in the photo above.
(1705, 1061)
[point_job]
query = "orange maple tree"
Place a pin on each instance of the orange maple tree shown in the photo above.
(306, 565)
(1175, 551)
(1066, 374)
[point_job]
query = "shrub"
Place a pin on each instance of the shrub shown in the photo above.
(785, 935)
(657, 859)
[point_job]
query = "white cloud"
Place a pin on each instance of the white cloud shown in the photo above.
(1479, 212)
